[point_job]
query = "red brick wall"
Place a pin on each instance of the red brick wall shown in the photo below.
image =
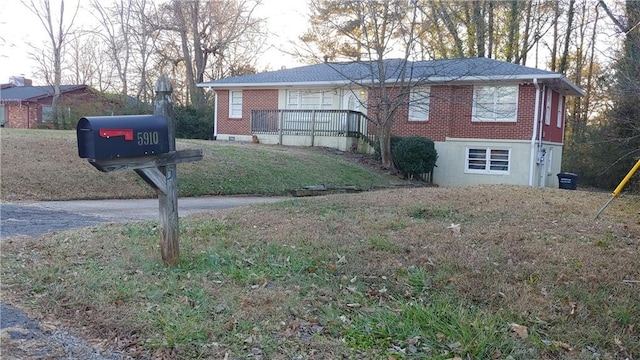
(18, 116)
(21, 115)
(251, 100)
(450, 116)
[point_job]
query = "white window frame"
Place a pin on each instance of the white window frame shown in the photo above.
(560, 113)
(324, 101)
(235, 104)
(495, 103)
(547, 113)
(419, 103)
(472, 164)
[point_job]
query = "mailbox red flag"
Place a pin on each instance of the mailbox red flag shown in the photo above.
(109, 133)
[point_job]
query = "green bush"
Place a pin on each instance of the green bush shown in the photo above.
(192, 123)
(414, 155)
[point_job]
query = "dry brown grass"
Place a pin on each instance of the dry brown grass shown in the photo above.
(532, 256)
(44, 165)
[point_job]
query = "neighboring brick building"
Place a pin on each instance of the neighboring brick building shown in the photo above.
(491, 121)
(25, 106)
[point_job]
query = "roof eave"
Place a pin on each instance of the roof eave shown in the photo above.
(274, 84)
(569, 88)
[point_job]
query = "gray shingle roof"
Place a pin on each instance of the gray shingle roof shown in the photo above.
(25, 93)
(467, 69)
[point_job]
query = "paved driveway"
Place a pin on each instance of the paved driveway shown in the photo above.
(41, 217)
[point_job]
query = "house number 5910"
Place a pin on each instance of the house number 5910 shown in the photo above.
(148, 138)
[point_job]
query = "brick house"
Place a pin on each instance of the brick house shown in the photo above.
(492, 122)
(25, 106)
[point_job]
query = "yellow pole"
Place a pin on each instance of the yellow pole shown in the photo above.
(619, 188)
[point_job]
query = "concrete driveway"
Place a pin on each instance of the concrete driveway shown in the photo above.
(37, 218)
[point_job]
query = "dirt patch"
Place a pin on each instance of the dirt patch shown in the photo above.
(367, 161)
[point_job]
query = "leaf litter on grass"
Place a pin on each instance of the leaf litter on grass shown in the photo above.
(338, 276)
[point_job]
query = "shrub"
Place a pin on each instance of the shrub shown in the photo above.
(376, 147)
(414, 155)
(192, 123)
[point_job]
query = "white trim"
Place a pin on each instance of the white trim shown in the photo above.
(560, 114)
(547, 107)
(474, 109)
(215, 115)
(532, 159)
(419, 104)
(487, 160)
(233, 115)
(433, 80)
(479, 140)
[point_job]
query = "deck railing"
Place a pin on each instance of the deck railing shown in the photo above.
(309, 122)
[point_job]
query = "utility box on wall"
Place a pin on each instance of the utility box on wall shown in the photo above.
(114, 137)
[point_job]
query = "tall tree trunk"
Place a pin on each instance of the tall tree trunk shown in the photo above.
(589, 84)
(197, 95)
(512, 37)
(522, 57)
(562, 69)
(478, 17)
(490, 31)
(441, 9)
(554, 45)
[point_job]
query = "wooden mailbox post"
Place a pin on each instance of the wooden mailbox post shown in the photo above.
(147, 145)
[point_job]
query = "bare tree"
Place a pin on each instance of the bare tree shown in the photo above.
(502, 30)
(144, 42)
(626, 98)
(116, 27)
(202, 30)
(383, 26)
(58, 31)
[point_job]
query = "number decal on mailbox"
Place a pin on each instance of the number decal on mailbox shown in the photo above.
(148, 138)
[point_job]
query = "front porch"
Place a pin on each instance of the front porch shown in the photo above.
(345, 130)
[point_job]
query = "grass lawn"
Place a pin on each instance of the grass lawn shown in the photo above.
(44, 165)
(484, 272)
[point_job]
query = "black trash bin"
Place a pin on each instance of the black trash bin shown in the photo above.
(567, 180)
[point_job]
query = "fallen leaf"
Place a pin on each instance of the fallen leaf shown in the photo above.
(562, 345)
(455, 228)
(520, 330)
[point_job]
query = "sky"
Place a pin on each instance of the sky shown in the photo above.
(286, 20)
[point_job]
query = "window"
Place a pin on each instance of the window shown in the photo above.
(235, 104)
(488, 161)
(3, 118)
(547, 111)
(47, 113)
(419, 104)
(495, 103)
(309, 100)
(560, 111)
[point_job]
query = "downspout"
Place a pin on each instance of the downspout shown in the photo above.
(532, 161)
(540, 154)
(215, 115)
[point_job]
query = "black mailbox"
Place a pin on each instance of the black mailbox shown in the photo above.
(113, 137)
